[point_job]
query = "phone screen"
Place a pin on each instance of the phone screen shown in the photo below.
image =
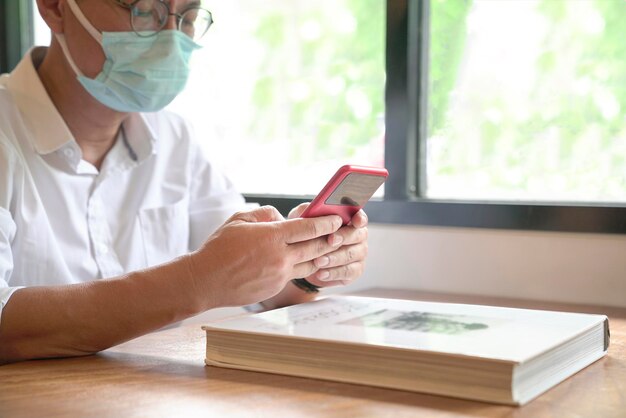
(346, 192)
(355, 189)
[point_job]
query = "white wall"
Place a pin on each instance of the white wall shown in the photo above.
(566, 267)
(548, 266)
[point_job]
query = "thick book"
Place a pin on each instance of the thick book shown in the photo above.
(486, 353)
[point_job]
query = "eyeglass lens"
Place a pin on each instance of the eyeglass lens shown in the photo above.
(150, 16)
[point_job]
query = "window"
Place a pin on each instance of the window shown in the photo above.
(15, 33)
(286, 91)
(526, 100)
(487, 113)
(409, 30)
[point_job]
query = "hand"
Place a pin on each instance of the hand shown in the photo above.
(344, 264)
(254, 254)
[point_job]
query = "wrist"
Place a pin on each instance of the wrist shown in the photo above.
(196, 287)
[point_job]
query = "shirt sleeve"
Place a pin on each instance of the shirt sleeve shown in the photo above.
(7, 225)
(213, 198)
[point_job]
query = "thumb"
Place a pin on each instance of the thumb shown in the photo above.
(297, 211)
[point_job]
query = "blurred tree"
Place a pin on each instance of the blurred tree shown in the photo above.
(564, 137)
(321, 81)
(448, 27)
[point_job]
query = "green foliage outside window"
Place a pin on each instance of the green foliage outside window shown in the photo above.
(541, 119)
(322, 79)
(447, 33)
(562, 136)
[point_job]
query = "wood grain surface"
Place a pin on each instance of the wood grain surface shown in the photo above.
(163, 375)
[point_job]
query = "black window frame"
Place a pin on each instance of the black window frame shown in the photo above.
(407, 40)
(16, 32)
(405, 100)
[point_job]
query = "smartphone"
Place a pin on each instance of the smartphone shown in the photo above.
(347, 192)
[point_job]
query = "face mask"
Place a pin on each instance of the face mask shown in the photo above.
(140, 74)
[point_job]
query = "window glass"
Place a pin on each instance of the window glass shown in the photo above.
(527, 100)
(286, 91)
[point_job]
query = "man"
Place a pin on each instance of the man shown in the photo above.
(108, 216)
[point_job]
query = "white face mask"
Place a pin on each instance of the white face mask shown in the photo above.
(140, 74)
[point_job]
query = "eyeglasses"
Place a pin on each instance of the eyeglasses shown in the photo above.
(148, 17)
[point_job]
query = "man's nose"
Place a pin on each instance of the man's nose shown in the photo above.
(172, 22)
(172, 19)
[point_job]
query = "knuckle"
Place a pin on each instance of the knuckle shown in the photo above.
(237, 216)
(364, 217)
(350, 254)
(314, 228)
(332, 225)
(347, 270)
(359, 235)
(321, 246)
(269, 209)
(297, 211)
(362, 251)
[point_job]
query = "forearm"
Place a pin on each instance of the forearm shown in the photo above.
(59, 321)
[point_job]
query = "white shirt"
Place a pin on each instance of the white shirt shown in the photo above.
(63, 221)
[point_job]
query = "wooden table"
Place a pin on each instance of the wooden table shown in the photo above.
(163, 375)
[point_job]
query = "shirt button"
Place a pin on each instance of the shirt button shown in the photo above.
(69, 153)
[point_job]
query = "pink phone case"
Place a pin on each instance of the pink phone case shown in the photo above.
(320, 205)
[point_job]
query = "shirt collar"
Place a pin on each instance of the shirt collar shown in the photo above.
(134, 144)
(139, 136)
(49, 131)
(40, 115)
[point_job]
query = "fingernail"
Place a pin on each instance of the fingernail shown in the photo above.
(322, 261)
(337, 240)
(323, 276)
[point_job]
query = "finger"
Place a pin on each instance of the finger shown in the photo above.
(348, 235)
(262, 214)
(298, 210)
(303, 229)
(305, 269)
(359, 220)
(345, 255)
(300, 252)
(341, 275)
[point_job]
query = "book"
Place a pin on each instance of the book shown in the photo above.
(486, 353)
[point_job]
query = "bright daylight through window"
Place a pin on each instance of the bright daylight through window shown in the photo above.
(526, 98)
(286, 91)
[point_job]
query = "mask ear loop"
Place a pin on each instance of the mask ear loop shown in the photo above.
(84, 21)
(86, 24)
(61, 39)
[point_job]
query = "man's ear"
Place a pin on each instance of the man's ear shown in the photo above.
(52, 12)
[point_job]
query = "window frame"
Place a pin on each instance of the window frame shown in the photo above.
(16, 32)
(405, 101)
(407, 40)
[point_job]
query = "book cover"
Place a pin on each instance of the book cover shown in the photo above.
(522, 352)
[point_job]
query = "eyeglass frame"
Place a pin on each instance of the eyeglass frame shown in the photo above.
(179, 16)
